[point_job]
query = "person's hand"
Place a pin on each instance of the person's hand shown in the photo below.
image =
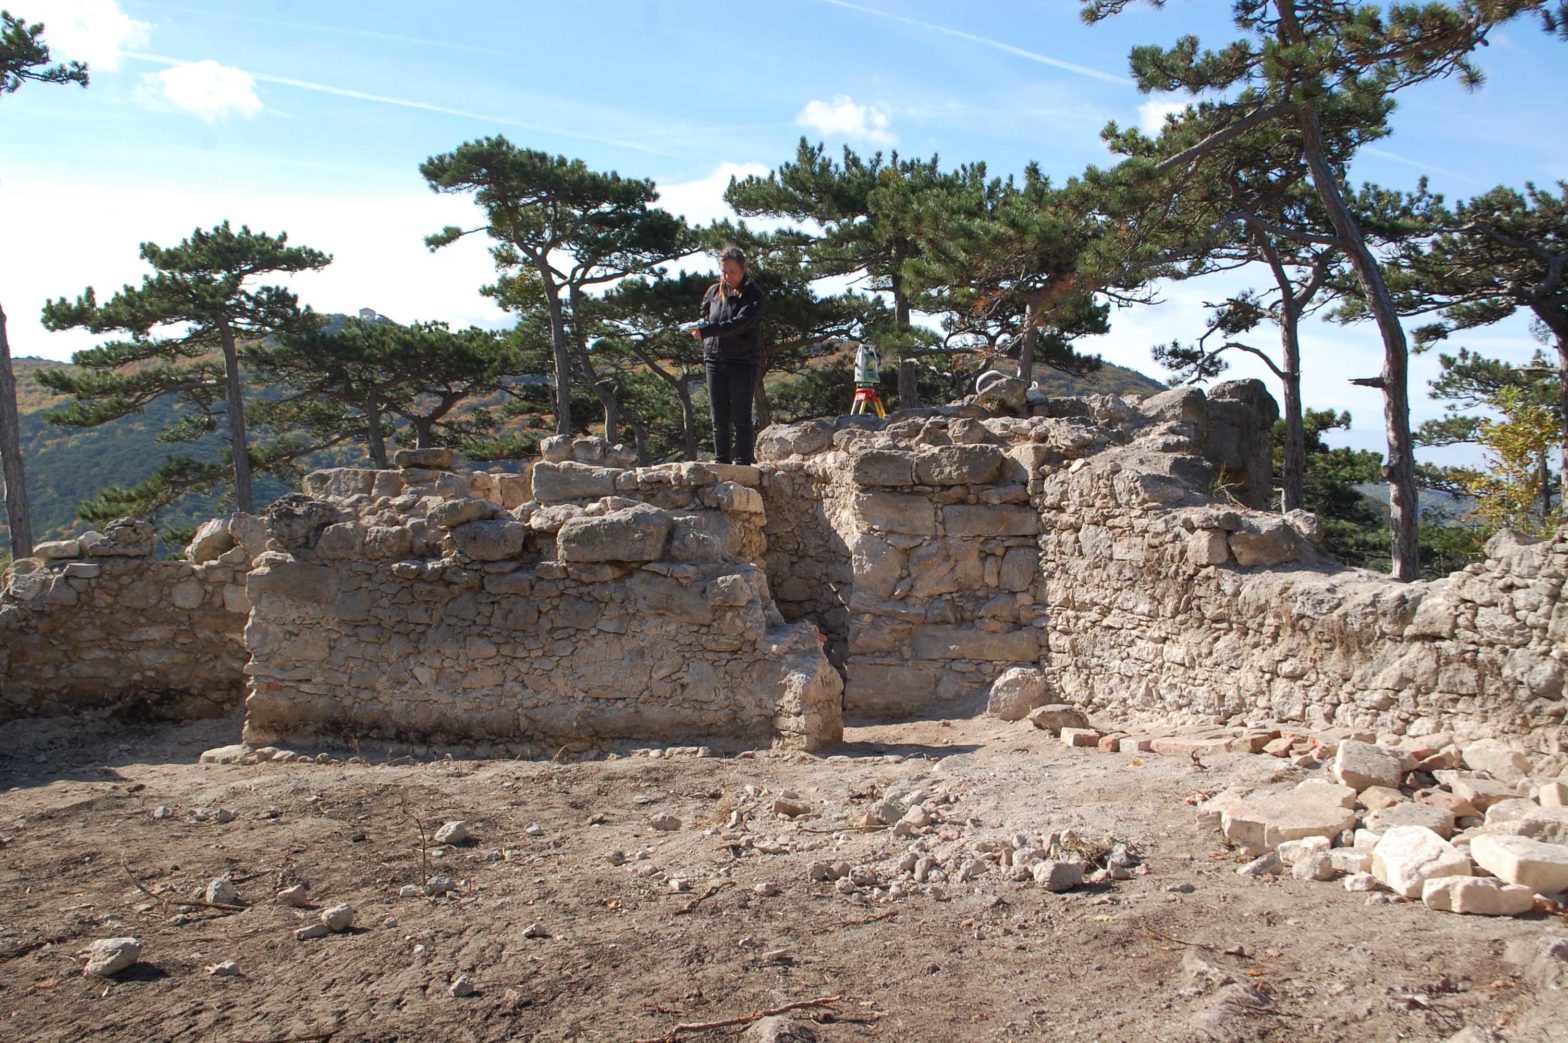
(696, 333)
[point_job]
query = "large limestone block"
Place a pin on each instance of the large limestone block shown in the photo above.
(1266, 543)
(559, 482)
(964, 519)
(1016, 691)
(1482, 793)
(294, 580)
(212, 539)
(124, 538)
(884, 688)
(59, 550)
(1185, 405)
(959, 465)
(883, 467)
(877, 564)
(1262, 823)
(1408, 856)
(944, 567)
(630, 534)
(449, 514)
(1438, 820)
(1520, 860)
(894, 512)
(426, 459)
(339, 483)
(1005, 396)
(1020, 569)
(960, 642)
(1363, 764)
(492, 539)
(1497, 759)
(777, 441)
(1477, 896)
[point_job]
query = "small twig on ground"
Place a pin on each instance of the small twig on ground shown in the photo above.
(861, 922)
(320, 1037)
(424, 839)
(845, 829)
(184, 903)
(707, 1026)
(709, 893)
(1177, 941)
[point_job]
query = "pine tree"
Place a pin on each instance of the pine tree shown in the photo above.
(569, 228)
(24, 57)
(1305, 64)
(196, 301)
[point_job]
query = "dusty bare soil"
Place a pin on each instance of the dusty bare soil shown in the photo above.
(627, 956)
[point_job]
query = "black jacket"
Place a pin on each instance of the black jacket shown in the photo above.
(730, 322)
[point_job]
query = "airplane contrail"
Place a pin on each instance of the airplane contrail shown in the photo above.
(986, 41)
(408, 103)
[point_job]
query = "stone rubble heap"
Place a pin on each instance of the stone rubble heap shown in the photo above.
(616, 603)
(1480, 829)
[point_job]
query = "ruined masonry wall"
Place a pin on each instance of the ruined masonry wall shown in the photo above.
(619, 603)
(95, 623)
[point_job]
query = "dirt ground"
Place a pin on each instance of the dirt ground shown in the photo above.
(621, 953)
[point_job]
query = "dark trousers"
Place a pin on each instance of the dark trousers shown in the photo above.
(730, 384)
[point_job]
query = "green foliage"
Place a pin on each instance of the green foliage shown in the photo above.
(196, 302)
(24, 56)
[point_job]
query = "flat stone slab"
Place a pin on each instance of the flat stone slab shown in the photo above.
(226, 754)
(1438, 820)
(1364, 764)
(1520, 860)
(1258, 824)
(1408, 856)
(1477, 896)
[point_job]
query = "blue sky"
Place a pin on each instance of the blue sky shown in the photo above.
(313, 118)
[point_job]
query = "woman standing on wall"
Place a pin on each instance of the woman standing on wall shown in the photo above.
(732, 351)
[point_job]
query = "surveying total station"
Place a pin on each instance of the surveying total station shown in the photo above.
(867, 364)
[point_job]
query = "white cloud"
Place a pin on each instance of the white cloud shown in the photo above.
(1151, 114)
(842, 117)
(702, 201)
(93, 31)
(205, 89)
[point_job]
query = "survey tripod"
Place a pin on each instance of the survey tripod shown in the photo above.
(867, 376)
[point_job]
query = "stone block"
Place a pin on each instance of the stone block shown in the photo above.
(124, 538)
(877, 565)
(963, 519)
(1549, 825)
(57, 550)
(1266, 543)
(1498, 759)
(883, 467)
(959, 465)
(562, 482)
(1482, 793)
(1408, 856)
(339, 483)
(212, 539)
(1438, 820)
(494, 539)
(1081, 738)
(556, 449)
(1184, 405)
(881, 688)
(1477, 896)
(427, 459)
(630, 534)
(895, 513)
(1521, 860)
(1334, 792)
(1016, 691)
(960, 642)
(1020, 569)
(945, 567)
(1364, 764)
(1208, 547)
(449, 514)
(1056, 716)
(1375, 798)
(1261, 823)
(82, 570)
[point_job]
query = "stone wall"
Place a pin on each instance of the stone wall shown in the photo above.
(1084, 536)
(618, 603)
(96, 623)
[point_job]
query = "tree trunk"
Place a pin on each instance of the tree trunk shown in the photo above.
(236, 405)
(424, 432)
(563, 363)
(610, 398)
(1294, 464)
(1031, 336)
(688, 420)
(1399, 469)
(908, 384)
(762, 409)
(16, 512)
(377, 443)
